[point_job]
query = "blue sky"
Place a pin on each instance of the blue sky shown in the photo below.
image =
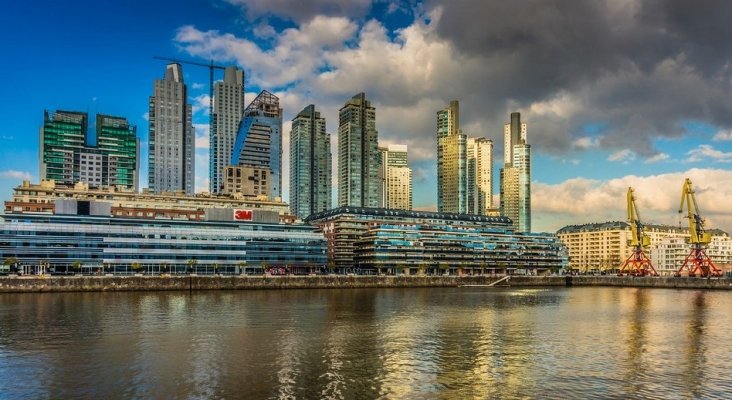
(602, 114)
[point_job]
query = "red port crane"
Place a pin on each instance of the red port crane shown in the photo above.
(697, 261)
(638, 264)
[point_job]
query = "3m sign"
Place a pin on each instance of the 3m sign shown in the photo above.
(243, 215)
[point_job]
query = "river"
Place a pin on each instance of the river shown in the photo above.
(446, 343)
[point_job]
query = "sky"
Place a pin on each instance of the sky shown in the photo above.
(616, 93)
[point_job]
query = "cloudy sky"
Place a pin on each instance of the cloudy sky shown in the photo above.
(616, 93)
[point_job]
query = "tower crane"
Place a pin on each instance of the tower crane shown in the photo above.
(638, 264)
(697, 261)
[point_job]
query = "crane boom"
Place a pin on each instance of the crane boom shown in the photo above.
(638, 263)
(699, 238)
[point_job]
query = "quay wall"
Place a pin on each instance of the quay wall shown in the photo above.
(31, 284)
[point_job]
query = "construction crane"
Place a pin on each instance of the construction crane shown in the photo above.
(638, 264)
(697, 261)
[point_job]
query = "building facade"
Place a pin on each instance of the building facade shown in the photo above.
(452, 153)
(395, 190)
(604, 246)
(310, 164)
(228, 110)
(68, 156)
(374, 238)
(480, 176)
(259, 140)
(171, 136)
(358, 155)
(253, 181)
(515, 201)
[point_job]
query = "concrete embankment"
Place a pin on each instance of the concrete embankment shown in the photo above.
(155, 283)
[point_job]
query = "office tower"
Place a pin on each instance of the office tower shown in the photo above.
(259, 140)
(480, 175)
(228, 110)
(68, 157)
(451, 161)
(516, 175)
(172, 138)
(396, 178)
(358, 154)
(310, 164)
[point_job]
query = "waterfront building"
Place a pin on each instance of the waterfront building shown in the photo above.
(228, 110)
(515, 201)
(171, 136)
(259, 140)
(358, 155)
(310, 164)
(41, 198)
(480, 176)
(374, 238)
(395, 176)
(604, 246)
(87, 237)
(68, 155)
(452, 177)
(253, 181)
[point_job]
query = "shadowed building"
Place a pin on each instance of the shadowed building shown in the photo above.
(516, 175)
(451, 161)
(310, 164)
(358, 154)
(228, 110)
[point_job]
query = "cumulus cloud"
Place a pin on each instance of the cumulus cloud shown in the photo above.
(13, 174)
(706, 153)
(202, 136)
(624, 156)
(657, 158)
(299, 10)
(200, 103)
(723, 135)
(583, 200)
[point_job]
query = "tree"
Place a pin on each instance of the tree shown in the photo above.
(76, 266)
(192, 264)
(136, 266)
(11, 262)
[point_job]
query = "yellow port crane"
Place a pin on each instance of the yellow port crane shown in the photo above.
(697, 261)
(638, 264)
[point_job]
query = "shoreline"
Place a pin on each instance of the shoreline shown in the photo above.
(55, 284)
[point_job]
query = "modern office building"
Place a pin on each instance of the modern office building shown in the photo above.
(395, 190)
(604, 246)
(228, 110)
(259, 140)
(515, 202)
(358, 154)
(87, 236)
(310, 164)
(452, 177)
(480, 176)
(375, 238)
(171, 137)
(68, 156)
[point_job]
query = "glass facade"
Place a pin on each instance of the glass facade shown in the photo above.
(228, 110)
(515, 201)
(452, 174)
(358, 154)
(310, 164)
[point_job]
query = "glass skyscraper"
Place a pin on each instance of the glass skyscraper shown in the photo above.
(452, 182)
(516, 175)
(395, 191)
(228, 110)
(172, 139)
(358, 154)
(310, 164)
(259, 140)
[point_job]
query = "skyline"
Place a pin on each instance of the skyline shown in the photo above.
(637, 116)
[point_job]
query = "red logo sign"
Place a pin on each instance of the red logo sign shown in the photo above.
(243, 215)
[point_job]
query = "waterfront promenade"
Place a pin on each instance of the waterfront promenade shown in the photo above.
(30, 284)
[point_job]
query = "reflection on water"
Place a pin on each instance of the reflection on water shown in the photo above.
(370, 343)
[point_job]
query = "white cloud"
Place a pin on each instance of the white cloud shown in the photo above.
(706, 152)
(624, 156)
(202, 136)
(657, 158)
(197, 86)
(302, 10)
(587, 142)
(13, 174)
(201, 103)
(146, 116)
(723, 135)
(581, 200)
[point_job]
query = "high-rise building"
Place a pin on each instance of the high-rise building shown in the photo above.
(395, 191)
(515, 200)
(259, 140)
(451, 161)
(68, 157)
(480, 176)
(358, 154)
(310, 164)
(228, 110)
(172, 138)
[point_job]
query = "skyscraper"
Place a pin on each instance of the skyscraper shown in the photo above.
(228, 110)
(310, 164)
(516, 175)
(451, 161)
(396, 178)
(480, 175)
(358, 154)
(172, 139)
(259, 140)
(67, 155)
